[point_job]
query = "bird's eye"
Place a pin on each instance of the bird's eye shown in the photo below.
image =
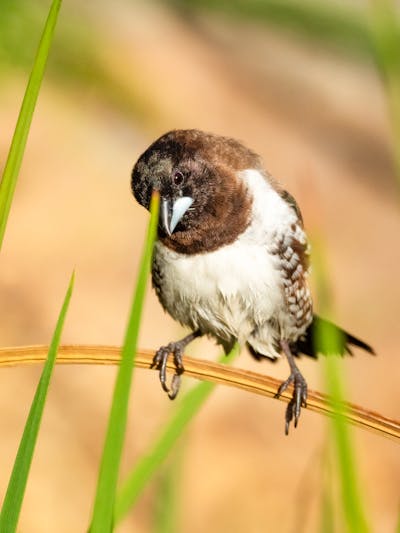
(178, 177)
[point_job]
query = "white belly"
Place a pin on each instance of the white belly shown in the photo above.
(229, 293)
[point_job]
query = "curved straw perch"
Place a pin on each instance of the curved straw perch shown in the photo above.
(204, 370)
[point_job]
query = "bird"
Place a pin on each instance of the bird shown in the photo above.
(231, 260)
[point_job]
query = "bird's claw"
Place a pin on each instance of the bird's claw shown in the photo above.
(298, 399)
(160, 362)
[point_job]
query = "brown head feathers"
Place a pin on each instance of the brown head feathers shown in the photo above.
(203, 167)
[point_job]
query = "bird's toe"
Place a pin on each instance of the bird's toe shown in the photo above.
(160, 361)
(298, 399)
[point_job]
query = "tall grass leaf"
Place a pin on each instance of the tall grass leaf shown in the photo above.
(329, 340)
(167, 496)
(102, 518)
(351, 496)
(18, 143)
(327, 524)
(16, 488)
(385, 35)
(148, 465)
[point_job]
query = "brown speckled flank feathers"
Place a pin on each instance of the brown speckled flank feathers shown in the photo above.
(293, 252)
(232, 258)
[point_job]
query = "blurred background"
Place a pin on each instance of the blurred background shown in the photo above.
(311, 86)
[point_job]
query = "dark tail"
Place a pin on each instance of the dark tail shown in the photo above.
(324, 337)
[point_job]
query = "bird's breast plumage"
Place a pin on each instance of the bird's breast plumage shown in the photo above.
(253, 289)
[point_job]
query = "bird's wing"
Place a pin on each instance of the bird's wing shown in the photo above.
(293, 204)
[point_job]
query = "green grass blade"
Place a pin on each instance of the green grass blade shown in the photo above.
(385, 35)
(18, 143)
(328, 519)
(351, 496)
(148, 465)
(16, 488)
(167, 497)
(329, 340)
(102, 518)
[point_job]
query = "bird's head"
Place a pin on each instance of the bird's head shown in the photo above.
(203, 203)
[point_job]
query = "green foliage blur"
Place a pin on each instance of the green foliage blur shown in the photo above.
(76, 59)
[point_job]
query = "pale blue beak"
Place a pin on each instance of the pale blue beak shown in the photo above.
(171, 214)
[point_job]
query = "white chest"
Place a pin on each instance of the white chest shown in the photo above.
(230, 291)
(236, 291)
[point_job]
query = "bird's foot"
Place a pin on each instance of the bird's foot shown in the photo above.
(160, 362)
(299, 397)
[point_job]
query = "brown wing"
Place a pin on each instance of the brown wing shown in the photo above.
(292, 202)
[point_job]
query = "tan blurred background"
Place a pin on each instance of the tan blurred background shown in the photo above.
(314, 107)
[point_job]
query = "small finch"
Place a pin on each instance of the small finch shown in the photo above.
(232, 259)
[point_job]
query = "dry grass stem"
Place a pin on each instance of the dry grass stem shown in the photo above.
(204, 370)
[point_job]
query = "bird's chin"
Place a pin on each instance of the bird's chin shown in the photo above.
(177, 234)
(162, 234)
